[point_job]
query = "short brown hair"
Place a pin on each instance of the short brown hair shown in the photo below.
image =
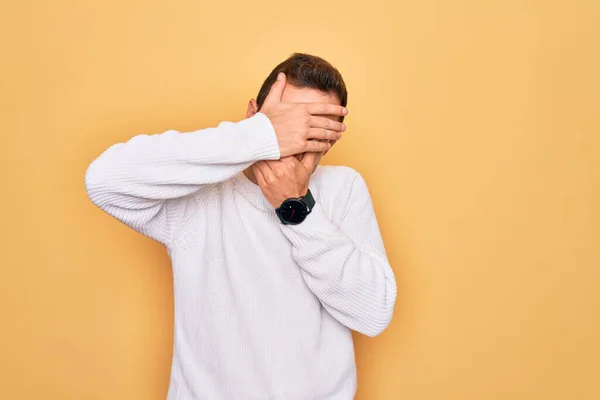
(305, 70)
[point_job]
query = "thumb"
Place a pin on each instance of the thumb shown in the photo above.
(276, 91)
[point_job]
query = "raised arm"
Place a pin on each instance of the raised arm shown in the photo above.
(140, 182)
(144, 181)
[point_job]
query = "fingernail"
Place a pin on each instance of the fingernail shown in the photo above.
(343, 127)
(280, 76)
(345, 111)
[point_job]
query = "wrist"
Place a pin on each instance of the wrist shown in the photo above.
(277, 202)
(258, 135)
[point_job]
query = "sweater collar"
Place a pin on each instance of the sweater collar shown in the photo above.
(251, 192)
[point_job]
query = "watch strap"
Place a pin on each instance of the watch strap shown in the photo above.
(309, 200)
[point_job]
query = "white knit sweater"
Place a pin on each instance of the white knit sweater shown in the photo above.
(262, 310)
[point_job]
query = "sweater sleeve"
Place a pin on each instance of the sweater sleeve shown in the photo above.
(144, 181)
(346, 267)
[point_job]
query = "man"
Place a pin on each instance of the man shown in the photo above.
(269, 276)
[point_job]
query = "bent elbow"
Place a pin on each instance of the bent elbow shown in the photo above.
(378, 323)
(93, 183)
(381, 318)
(378, 317)
(100, 173)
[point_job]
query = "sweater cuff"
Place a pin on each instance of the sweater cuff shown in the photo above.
(315, 226)
(257, 131)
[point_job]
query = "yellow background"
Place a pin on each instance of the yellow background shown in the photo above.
(475, 123)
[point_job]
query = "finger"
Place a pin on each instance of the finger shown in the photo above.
(326, 123)
(289, 160)
(276, 91)
(309, 160)
(259, 176)
(315, 146)
(323, 134)
(326, 109)
(266, 171)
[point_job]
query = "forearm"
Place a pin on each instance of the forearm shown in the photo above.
(172, 164)
(134, 181)
(354, 282)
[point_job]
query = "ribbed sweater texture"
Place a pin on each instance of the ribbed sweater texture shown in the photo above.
(262, 310)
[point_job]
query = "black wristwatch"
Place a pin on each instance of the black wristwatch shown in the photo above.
(294, 211)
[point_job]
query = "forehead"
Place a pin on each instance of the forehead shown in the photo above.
(295, 94)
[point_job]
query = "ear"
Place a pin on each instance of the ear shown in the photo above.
(252, 108)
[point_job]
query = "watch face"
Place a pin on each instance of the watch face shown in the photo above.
(293, 211)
